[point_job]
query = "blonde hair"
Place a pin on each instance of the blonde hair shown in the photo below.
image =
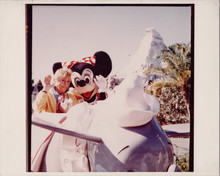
(61, 73)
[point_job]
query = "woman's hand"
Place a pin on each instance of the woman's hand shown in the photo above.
(47, 84)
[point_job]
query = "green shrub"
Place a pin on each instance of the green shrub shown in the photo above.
(183, 162)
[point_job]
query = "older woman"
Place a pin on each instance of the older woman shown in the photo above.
(53, 100)
(48, 108)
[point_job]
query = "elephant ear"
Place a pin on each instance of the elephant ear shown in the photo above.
(103, 65)
(56, 66)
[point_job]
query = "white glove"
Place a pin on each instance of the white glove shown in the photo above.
(101, 83)
(65, 105)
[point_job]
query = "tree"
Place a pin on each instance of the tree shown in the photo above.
(175, 75)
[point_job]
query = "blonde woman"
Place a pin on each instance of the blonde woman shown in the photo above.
(48, 107)
(57, 99)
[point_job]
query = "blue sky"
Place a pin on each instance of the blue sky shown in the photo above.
(72, 32)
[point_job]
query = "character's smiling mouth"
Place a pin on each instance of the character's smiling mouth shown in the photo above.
(87, 95)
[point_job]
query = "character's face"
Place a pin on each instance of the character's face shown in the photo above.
(84, 84)
(62, 84)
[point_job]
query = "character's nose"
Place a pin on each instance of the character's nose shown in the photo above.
(81, 83)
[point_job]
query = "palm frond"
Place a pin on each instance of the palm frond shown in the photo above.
(186, 75)
(162, 82)
(156, 71)
(171, 63)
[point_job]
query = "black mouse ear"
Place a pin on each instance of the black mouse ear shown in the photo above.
(103, 65)
(56, 66)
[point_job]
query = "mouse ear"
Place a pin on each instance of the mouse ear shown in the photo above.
(103, 64)
(56, 66)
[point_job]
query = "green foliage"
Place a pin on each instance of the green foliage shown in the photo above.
(173, 109)
(178, 60)
(173, 85)
(183, 162)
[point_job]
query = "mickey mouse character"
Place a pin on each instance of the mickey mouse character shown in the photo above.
(89, 76)
(88, 85)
